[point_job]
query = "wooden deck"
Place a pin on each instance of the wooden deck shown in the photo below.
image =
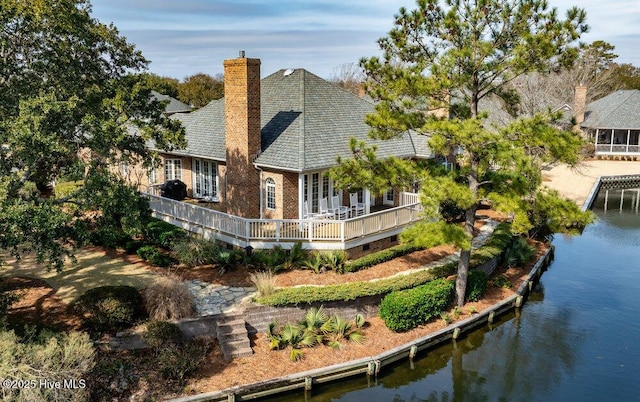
(265, 233)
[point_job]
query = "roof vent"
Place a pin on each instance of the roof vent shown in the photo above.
(288, 71)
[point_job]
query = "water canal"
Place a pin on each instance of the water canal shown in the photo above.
(576, 339)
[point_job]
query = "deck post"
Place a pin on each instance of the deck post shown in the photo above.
(606, 199)
(621, 199)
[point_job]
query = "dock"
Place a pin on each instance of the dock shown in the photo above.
(577, 183)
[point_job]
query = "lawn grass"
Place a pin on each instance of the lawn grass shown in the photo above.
(94, 268)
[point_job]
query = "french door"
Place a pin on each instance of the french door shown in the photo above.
(205, 179)
(317, 186)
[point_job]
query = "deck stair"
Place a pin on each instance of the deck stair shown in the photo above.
(233, 337)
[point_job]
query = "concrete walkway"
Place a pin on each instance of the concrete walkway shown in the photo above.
(576, 184)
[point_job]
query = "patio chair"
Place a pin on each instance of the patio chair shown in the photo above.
(324, 209)
(305, 211)
(357, 208)
(339, 211)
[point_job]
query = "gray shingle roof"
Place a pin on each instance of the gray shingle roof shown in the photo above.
(306, 123)
(620, 109)
(173, 106)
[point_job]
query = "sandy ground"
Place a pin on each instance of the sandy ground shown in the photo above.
(576, 183)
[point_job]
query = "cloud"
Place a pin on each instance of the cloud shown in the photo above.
(184, 53)
(189, 36)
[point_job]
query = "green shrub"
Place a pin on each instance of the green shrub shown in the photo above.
(477, 282)
(192, 251)
(162, 260)
(501, 282)
(162, 333)
(162, 233)
(109, 237)
(407, 309)
(176, 362)
(146, 252)
(155, 257)
(379, 257)
(495, 245)
(132, 246)
(111, 308)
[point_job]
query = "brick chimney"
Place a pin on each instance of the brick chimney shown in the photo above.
(243, 128)
(439, 105)
(579, 105)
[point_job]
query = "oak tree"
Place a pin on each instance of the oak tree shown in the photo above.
(69, 101)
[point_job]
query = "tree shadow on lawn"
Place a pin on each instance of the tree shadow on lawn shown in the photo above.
(95, 267)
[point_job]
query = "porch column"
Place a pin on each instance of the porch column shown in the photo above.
(366, 197)
(595, 140)
(613, 133)
(628, 138)
(300, 195)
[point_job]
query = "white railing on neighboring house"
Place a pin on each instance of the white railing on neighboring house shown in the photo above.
(246, 232)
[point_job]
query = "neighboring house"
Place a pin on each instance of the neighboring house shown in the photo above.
(612, 123)
(263, 151)
(173, 105)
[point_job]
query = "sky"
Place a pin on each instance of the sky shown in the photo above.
(185, 37)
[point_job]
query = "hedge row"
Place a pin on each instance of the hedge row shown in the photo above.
(354, 290)
(499, 240)
(405, 310)
(379, 257)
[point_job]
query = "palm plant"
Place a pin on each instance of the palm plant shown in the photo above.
(297, 256)
(228, 259)
(519, 253)
(314, 263)
(315, 328)
(343, 329)
(334, 260)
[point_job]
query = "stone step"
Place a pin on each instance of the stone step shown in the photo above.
(233, 337)
(236, 348)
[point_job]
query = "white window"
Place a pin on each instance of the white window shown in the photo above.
(172, 169)
(124, 169)
(152, 173)
(388, 197)
(271, 193)
(205, 179)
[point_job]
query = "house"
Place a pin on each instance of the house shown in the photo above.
(263, 151)
(172, 105)
(612, 123)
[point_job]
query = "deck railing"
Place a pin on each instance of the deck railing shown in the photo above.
(211, 223)
(407, 198)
